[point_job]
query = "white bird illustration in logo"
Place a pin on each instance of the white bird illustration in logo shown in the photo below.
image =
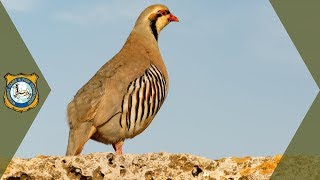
(18, 92)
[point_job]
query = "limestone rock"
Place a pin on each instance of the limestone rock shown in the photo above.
(99, 166)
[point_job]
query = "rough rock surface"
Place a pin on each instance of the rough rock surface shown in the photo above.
(98, 166)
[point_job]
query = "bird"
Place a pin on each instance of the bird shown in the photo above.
(122, 98)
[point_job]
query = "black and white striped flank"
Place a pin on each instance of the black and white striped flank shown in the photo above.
(143, 99)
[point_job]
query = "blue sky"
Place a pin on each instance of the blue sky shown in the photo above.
(238, 86)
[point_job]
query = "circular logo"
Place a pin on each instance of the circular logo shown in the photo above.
(21, 92)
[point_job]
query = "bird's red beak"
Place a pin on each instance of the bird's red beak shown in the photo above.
(173, 18)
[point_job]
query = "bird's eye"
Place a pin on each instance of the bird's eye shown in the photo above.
(163, 12)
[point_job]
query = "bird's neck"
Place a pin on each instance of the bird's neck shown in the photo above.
(143, 37)
(142, 40)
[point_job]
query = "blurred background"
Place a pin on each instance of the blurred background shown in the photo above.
(238, 86)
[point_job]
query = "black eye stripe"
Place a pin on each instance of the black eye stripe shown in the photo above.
(161, 12)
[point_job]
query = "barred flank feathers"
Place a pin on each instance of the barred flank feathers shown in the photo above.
(144, 97)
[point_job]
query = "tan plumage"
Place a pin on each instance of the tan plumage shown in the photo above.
(123, 97)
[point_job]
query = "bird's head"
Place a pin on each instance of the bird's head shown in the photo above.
(154, 18)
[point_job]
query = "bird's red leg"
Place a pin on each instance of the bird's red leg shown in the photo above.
(118, 147)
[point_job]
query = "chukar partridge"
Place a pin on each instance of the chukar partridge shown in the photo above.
(122, 98)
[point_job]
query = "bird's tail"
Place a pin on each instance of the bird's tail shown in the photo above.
(71, 148)
(78, 136)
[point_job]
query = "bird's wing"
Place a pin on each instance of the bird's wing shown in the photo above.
(116, 88)
(101, 97)
(85, 103)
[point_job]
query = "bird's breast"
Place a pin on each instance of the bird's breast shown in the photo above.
(142, 101)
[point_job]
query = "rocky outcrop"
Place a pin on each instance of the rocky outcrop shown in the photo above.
(98, 166)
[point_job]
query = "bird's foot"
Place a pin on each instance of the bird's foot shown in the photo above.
(118, 147)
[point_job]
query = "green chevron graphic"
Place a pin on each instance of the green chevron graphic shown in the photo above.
(302, 156)
(15, 58)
